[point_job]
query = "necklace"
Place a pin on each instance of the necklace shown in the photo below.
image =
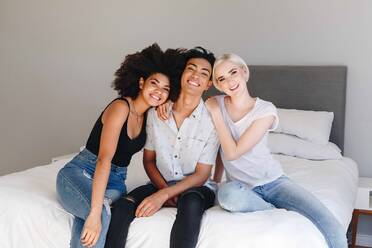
(134, 111)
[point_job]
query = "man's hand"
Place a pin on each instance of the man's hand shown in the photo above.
(152, 204)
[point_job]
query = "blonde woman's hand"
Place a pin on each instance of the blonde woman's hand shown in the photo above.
(92, 230)
(163, 110)
(212, 105)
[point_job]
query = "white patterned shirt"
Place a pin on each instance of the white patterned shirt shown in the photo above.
(179, 150)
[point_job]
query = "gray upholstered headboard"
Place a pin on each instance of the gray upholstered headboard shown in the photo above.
(302, 87)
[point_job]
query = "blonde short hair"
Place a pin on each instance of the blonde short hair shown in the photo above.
(231, 57)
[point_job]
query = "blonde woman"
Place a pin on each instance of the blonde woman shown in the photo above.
(255, 179)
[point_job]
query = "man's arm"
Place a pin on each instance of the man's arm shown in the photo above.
(202, 170)
(196, 179)
(149, 162)
(218, 170)
(201, 174)
(149, 154)
(154, 202)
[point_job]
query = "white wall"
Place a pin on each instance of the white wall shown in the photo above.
(58, 57)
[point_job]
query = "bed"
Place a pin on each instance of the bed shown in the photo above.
(30, 215)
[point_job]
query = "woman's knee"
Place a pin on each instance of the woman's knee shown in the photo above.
(72, 197)
(228, 194)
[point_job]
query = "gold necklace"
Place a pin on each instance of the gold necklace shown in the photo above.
(134, 111)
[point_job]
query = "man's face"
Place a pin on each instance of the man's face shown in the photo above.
(195, 78)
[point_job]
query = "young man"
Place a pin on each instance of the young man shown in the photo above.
(178, 158)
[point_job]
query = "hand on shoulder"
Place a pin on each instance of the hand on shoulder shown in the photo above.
(163, 110)
(212, 104)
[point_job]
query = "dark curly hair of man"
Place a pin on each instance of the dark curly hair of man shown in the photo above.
(145, 63)
(198, 53)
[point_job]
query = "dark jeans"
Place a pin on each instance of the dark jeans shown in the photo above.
(185, 231)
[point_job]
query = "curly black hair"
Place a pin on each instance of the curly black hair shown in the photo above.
(145, 63)
(198, 53)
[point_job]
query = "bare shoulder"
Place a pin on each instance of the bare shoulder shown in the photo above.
(117, 111)
(119, 104)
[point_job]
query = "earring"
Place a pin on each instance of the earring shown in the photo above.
(141, 82)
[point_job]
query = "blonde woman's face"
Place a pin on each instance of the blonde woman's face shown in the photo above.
(230, 77)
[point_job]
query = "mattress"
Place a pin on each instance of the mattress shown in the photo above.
(30, 213)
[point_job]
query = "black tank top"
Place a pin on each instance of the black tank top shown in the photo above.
(126, 147)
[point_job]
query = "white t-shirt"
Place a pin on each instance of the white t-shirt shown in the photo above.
(257, 166)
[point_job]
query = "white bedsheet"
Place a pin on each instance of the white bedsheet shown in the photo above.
(30, 215)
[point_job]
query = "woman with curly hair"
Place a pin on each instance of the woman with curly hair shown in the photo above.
(94, 178)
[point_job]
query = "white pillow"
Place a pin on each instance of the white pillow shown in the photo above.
(294, 146)
(67, 156)
(314, 126)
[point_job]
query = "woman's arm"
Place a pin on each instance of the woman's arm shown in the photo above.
(113, 120)
(234, 149)
(252, 135)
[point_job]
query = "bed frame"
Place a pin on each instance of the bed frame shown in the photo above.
(302, 87)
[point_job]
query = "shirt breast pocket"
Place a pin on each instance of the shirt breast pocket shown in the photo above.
(191, 154)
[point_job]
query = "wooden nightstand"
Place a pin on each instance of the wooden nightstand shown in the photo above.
(363, 204)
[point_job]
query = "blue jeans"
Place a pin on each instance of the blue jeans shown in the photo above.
(283, 193)
(74, 188)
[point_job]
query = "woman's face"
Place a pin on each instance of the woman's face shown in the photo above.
(231, 78)
(155, 89)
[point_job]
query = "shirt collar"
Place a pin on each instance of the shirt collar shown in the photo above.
(196, 114)
(197, 111)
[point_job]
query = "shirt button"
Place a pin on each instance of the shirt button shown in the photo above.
(176, 173)
(179, 138)
(175, 156)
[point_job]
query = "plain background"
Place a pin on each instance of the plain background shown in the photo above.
(58, 58)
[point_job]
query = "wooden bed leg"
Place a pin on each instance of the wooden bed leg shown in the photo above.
(354, 227)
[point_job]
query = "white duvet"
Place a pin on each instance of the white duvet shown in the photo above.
(30, 215)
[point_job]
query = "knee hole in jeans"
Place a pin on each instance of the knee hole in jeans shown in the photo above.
(125, 202)
(87, 175)
(130, 198)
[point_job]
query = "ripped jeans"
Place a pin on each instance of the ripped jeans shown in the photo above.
(191, 205)
(74, 189)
